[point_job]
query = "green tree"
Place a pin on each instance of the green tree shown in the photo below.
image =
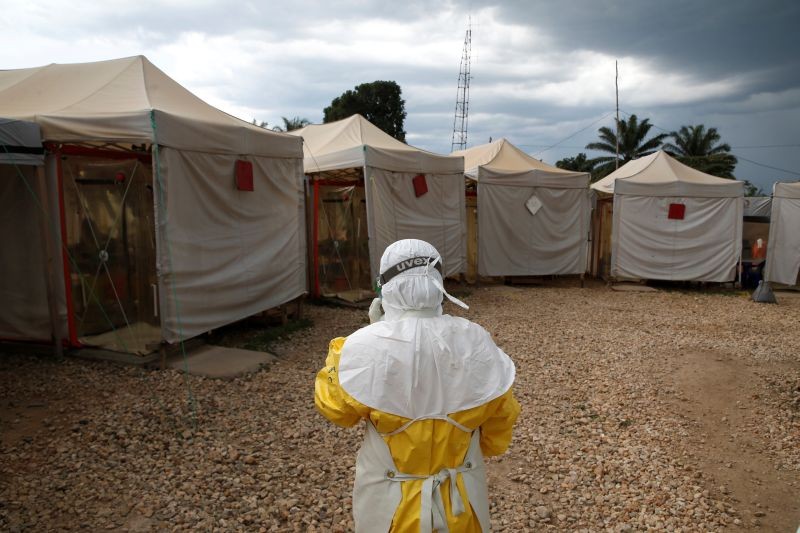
(291, 124)
(579, 163)
(700, 148)
(261, 124)
(633, 144)
(752, 190)
(380, 102)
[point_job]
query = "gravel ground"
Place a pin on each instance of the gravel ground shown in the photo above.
(611, 436)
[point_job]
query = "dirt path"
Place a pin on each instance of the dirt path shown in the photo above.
(721, 396)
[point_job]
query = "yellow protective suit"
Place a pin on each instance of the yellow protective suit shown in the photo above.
(426, 446)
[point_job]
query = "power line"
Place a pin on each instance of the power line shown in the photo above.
(574, 134)
(767, 146)
(744, 158)
(768, 166)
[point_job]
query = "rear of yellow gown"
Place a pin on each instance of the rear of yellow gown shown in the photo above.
(426, 446)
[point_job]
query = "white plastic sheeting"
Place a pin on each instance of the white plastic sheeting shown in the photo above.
(393, 210)
(513, 242)
(783, 246)
(704, 245)
(757, 206)
(513, 238)
(227, 254)
(437, 217)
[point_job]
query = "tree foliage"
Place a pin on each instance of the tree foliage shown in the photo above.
(633, 144)
(380, 102)
(700, 148)
(291, 124)
(752, 190)
(579, 163)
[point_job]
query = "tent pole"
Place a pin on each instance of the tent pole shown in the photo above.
(49, 261)
(73, 335)
(315, 238)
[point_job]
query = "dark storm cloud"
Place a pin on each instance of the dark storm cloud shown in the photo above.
(542, 70)
(708, 38)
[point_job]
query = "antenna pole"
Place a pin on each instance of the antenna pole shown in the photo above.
(616, 88)
(461, 120)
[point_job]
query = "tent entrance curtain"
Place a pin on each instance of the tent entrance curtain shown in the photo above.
(602, 216)
(110, 230)
(342, 243)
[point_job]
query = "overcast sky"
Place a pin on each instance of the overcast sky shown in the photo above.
(543, 71)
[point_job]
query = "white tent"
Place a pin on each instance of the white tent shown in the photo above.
(396, 208)
(757, 206)
(533, 218)
(783, 246)
(196, 214)
(672, 222)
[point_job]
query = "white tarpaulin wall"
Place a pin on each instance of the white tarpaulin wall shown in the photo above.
(222, 253)
(757, 206)
(783, 246)
(24, 313)
(549, 236)
(393, 210)
(704, 245)
(232, 253)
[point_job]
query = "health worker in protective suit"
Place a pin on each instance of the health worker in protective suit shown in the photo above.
(435, 392)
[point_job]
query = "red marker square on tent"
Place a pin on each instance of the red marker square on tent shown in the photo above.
(244, 175)
(420, 185)
(676, 211)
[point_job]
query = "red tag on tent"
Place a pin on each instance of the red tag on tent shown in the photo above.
(244, 175)
(676, 211)
(420, 185)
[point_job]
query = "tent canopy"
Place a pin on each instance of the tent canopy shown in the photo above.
(113, 101)
(20, 143)
(355, 142)
(500, 162)
(786, 190)
(659, 174)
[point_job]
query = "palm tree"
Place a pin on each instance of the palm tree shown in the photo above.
(294, 123)
(579, 163)
(697, 147)
(632, 145)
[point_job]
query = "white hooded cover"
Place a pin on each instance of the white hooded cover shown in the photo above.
(418, 363)
(514, 240)
(393, 210)
(222, 254)
(704, 245)
(783, 246)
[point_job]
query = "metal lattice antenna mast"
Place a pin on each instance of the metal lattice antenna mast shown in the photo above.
(461, 120)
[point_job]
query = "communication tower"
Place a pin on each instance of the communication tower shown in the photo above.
(461, 120)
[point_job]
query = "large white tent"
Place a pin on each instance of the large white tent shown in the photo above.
(783, 246)
(533, 218)
(672, 222)
(178, 217)
(397, 207)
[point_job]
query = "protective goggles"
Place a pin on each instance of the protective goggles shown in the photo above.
(406, 264)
